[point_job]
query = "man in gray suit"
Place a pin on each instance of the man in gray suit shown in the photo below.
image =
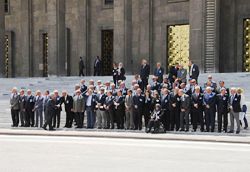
(39, 109)
(182, 74)
(15, 107)
(129, 124)
(184, 110)
(79, 108)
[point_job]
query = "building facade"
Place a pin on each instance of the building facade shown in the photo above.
(40, 38)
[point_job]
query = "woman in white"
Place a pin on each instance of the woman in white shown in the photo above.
(243, 107)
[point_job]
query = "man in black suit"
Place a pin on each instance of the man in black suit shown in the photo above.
(29, 108)
(138, 103)
(97, 66)
(144, 73)
(174, 108)
(197, 109)
(193, 71)
(67, 100)
(119, 109)
(159, 72)
(172, 74)
(81, 67)
(165, 118)
(222, 109)
(235, 109)
(109, 106)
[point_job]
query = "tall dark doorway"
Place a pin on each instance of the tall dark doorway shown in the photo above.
(6, 62)
(45, 54)
(246, 46)
(107, 51)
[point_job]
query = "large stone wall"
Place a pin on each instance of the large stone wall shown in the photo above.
(2, 38)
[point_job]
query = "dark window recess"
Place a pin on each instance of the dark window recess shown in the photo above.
(6, 6)
(109, 2)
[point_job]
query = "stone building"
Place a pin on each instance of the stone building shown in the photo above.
(47, 37)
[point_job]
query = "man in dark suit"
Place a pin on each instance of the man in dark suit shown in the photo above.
(81, 67)
(222, 109)
(144, 73)
(67, 100)
(172, 74)
(209, 102)
(193, 71)
(235, 109)
(174, 108)
(97, 66)
(29, 108)
(159, 72)
(165, 118)
(50, 112)
(57, 117)
(109, 106)
(83, 87)
(39, 109)
(197, 109)
(22, 108)
(119, 109)
(138, 103)
(15, 107)
(184, 110)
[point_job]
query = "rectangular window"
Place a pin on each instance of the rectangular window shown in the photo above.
(109, 2)
(6, 6)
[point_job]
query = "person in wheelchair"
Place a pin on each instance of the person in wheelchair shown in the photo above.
(154, 121)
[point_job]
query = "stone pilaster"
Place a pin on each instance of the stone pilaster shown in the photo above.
(2, 38)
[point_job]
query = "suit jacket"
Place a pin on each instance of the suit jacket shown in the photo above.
(197, 100)
(138, 101)
(129, 102)
(39, 103)
(182, 75)
(145, 71)
(172, 72)
(22, 102)
(68, 103)
(30, 103)
(174, 99)
(15, 102)
(120, 103)
(185, 102)
(222, 103)
(81, 65)
(109, 103)
(93, 101)
(159, 73)
(194, 74)
(121, 75)
(50, 108)
(83, 88)
(97, 64)
(101, 101)
(165, 102)
(210, 99)
(78, 104)
(235, 102)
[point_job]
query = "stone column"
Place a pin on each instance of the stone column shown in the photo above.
(196, 17)
(2, 38)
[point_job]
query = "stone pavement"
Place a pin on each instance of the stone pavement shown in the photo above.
(67, 83)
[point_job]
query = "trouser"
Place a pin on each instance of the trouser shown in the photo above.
(69, 119)
(23, 118)
(209, 119)
(39, 117)
(166, 120)
(222, 115)
(184, 117)
(137, 113)
(90, 117)
(146, 115)
(174, 119)
(81, 72)
(144, 83)
(79, 119)
(15, 117)
(197, 115)
(110, 118)
(101, 118)
(119, 120)
(30, 119)
(129, 119)
(97, 72)
(48, 121)
(234, 115)
(153, 123)
(57, 119)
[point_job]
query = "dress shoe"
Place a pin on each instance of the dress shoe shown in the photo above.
(52, 129)
(186, 130)
(181, 130)
(245, 128)
(230, 131)
(237, 132)
(44, 128)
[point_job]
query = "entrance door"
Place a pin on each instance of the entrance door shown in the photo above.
(6, 62)
(107, 52)
(246, 46)
(45, 54)
(178, 45)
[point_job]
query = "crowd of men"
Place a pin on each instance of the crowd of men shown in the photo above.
(171, 102)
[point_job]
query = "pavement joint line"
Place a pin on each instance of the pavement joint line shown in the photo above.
(149, 137)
